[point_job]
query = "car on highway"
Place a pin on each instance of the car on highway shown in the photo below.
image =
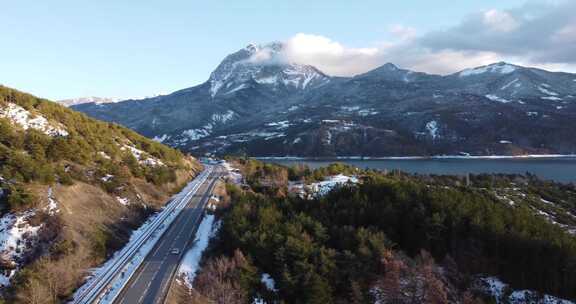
(175, 251)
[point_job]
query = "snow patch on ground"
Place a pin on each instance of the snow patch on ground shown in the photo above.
(196, 134)
(496, 98)
(26, 120)
(509, 84)
(269, 282)
(495, 68)
(17, 237)
(501, 293)
(280, 125)
(367, 112)
(267, 80)
(142, 156)
(215, 86)
(552, 98)
(321, 188)
(432, 128)
(233, 174)
(544, 88)
(52, 207)
(350, 108)
(223, 117)
(191, 261)
(13, 230)
(122, 200)
(161, 138)
(236, 89)
(104, 155)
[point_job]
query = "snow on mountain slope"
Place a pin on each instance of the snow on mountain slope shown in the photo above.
(256, 87)
(28, 120)
(17, 238)
(262, 65)
(91, 99)
(499, 68)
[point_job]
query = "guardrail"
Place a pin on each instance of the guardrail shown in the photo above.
(97, 287)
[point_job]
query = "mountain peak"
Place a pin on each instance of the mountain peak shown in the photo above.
(264, 65)
(274, 47)
(390, 66)
(494, 68)
(391, 72)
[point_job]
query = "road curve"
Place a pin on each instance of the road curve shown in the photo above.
(152, 280)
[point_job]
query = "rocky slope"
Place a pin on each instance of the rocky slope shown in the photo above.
(258, 103)
(71, 191)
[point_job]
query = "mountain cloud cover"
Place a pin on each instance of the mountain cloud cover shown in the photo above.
(537, 34)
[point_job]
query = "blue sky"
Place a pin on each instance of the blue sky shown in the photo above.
(110, 48)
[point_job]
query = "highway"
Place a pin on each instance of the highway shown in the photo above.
(152, 280)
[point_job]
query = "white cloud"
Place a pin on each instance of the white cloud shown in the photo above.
(565, 34)
(336, 59)
(403, 32)
(330, 56)
(449, 61)
(537, 34)
(500, 21)
(261, 55)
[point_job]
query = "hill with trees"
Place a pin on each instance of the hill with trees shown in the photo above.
(391, 238)
(72, 190)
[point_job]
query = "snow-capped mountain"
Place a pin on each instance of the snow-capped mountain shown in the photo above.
(259, 103)
(265, 66)
(505, 82)
(390, 72)
(92, 99)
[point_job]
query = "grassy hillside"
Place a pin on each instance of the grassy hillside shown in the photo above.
(72, 189)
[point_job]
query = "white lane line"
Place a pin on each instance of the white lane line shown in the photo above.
(144, 293)
(182, 229)
(177, 202)
(183, 204)
(159, 246)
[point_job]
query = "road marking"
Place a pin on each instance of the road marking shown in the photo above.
(193, 205)
(144, 293)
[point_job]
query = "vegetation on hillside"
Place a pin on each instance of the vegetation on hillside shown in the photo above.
(32, 156)
(104, 180)
(395, 238)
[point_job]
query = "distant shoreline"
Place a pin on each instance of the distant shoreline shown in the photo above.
(533, 156)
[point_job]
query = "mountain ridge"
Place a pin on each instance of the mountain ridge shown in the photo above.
(275, 108)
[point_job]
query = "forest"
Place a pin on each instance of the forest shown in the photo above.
(393, 238)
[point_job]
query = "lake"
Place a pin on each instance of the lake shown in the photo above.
(558, 169)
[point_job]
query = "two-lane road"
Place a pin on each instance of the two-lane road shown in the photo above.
(151, 282)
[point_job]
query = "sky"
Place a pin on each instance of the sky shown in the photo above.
(62, 49)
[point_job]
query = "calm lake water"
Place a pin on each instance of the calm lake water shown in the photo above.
(558, 169)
